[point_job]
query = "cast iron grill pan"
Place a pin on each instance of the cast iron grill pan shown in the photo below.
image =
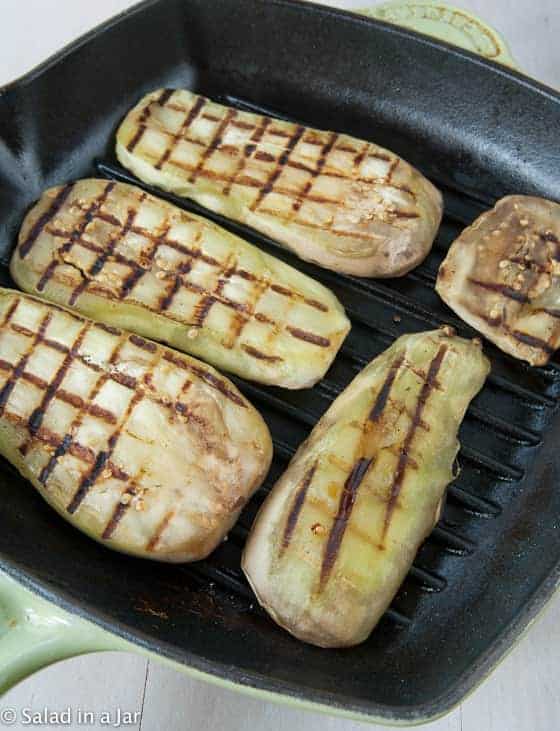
(378, 310)
(496, 542)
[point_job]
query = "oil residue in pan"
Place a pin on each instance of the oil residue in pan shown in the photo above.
(503, 426)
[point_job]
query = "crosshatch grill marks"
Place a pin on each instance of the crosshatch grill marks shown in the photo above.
(143, 120)
(42, 221)
(167, 298)
(99, 263)
(327, 147)
(213, 145)
(254, 183)
(131, 281)
(10, 312)
(76, 234)
(405, 459)
(126, 498)
(243, 317)
(359, 158)
(96, 463)
(147, 259)
(206, 303)
(49, 438)
(89, 480)
(103, 457)
(389, 213)
(19, 367)
(295, 164)
(297, 505)
(180, 406)
(277, 170)
(107, 252)
(165, 97)
(178, 275)
(189, 119)
(345, 507)
(120, 378)
(36, 418)
(248, 150)
(103, 377)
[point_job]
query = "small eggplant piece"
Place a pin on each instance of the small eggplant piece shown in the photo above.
(502, 276)
(338, 533)
(147, 451)
(343, 203)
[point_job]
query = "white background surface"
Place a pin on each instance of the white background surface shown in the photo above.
(522, 695)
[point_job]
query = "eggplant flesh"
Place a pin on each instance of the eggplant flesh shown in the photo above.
(339, 531)
(119, 255)
(147, 451)
(502, 276)
(340, 202)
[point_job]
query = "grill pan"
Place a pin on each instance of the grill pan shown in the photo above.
(478, 131)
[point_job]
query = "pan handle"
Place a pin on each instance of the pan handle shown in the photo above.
(447, 23)
(35, 633)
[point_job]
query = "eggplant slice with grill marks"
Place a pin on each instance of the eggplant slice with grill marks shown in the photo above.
(338, 533)
(502, 276)
(343, 203)
(147, 451)
(119, 255)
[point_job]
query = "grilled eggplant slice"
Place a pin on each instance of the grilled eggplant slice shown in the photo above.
(340, 529)
(146, 451)
(124, 257)
(340, 202)
(502, 276)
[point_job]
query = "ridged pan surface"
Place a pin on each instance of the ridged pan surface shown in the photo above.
(478, 132)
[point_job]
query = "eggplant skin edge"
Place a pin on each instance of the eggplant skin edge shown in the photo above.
(336, 536)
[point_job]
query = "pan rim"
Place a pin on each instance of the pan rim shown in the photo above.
(281, 691)
(310, 6)
(261, 685)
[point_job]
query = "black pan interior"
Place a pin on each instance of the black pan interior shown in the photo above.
(479, 132)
